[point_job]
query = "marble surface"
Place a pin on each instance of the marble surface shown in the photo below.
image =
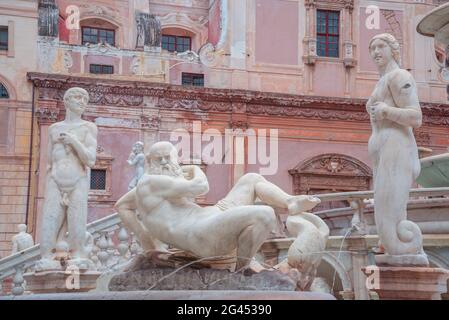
(394, 111)
(72, 145)
(179, 295)
(137, 160)
(21, 240)
(161, 210)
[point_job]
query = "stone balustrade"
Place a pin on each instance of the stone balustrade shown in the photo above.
(113, 245)
(360, 205)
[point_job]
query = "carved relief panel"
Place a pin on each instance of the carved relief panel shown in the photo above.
(329, 173)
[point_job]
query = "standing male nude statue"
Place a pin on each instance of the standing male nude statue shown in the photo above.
(160, 210)
(72, 145)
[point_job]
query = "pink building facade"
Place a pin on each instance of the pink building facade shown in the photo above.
(300, 67)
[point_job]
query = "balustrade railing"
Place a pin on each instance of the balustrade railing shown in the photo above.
(359, 200)
(114, 246)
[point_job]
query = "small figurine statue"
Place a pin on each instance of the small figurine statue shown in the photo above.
(22, 240)
(137, 159)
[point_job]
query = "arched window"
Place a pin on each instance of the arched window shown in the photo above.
(3, 92)
(177, 40)
(95, 31)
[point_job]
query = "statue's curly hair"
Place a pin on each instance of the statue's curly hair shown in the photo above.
(392, 43)
(75, 90)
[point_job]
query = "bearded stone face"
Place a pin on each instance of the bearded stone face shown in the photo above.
(163, 160)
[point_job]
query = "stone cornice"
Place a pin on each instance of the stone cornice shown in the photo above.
(128, 93)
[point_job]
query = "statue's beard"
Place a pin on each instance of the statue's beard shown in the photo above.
(171, 169)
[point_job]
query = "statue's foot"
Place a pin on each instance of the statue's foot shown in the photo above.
(47, 265)
(83, 264)
(301, 203)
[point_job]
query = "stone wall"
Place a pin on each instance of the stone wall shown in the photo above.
(21, 18)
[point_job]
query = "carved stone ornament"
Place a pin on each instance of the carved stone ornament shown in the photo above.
(331, 171)
(120, 93)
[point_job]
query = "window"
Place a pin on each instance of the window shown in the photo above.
(176, 43)
(3, 38)
(3, 92)
(192, 79)
(98, 179)
(328, 24)
(101, 69)
(97, 35)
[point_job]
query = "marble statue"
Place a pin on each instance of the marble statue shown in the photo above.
(148, 30)
(305, 253)
(48, 18)
(137, 159)
(22, 240)
(168, 215)
(394, 111)
(71, 151)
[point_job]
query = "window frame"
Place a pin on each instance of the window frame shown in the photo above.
(192, 75)
(5, 46)
(176, 42)
(98, 35)
(105, 179)
(2, 90)
(327, 34)
(102, 66)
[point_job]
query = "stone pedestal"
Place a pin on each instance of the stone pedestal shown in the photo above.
(174, 272)
(407, 283)
(61, 281)
(179, 295)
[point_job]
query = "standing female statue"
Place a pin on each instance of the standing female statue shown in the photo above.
(394, 111)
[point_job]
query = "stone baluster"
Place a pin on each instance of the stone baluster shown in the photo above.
(134, 247)
(358, 220)
(123, 245)
(103, 255)
(18, 281)
(94, 256)
(113, 253)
